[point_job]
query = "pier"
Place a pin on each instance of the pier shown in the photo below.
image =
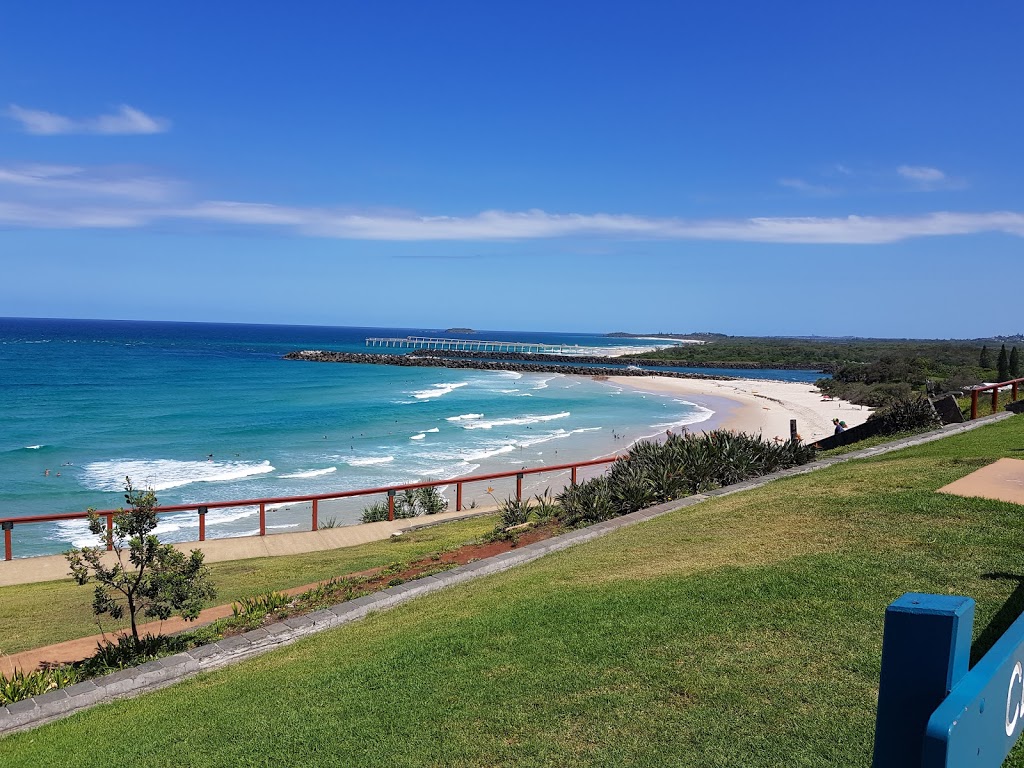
(473, 345)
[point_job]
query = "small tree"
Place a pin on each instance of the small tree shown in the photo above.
(1003, 365)
(146, 575)
(1014, 364)
(985, 361)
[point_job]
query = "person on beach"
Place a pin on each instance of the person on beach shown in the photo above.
(839, 425)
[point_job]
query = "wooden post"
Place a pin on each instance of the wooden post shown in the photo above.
(110, 531)
(202, 523)
(995, 399)
(974, 404)
(263, 518)
(458, 497)
(316, 517)
(792, 430)
(391, 505)
(519, 487)
(8, 527)
(1013, 390)
(574, 475)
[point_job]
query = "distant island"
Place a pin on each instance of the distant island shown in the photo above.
(460, 330)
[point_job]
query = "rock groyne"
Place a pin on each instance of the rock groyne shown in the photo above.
(434, 360)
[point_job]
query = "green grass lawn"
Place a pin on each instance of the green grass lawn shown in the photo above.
(34, 615)
(745, 631)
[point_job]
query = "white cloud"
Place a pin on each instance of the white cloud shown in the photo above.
(126, 120)
(808, 188)
(524, 225)
(921, 173)
(64, 196)
(66, 180)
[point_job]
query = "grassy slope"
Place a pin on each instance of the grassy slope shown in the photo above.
(34, 615)
(745, 631)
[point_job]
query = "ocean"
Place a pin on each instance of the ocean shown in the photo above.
(204, 412)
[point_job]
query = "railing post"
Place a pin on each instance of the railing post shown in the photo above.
(574, 474)
(926, 648)
(263, 518)
(1013, 391)
(202, 523)
(316, 516)
(7, 528)
(974, 404)
(391, 505)
(519, 486)
(110, 531)
(458, 497)
(995, 399)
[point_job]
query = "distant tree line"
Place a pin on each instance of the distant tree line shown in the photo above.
(873, 372)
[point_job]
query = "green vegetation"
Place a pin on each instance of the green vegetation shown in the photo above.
(411, 503)
(684, 464)
(745, 631)
(867, 371)
(34, 615)
(148, 577)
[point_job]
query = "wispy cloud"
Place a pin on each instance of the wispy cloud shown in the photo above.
(66, 180)
(527, 225)
(926, 178)
(124, 121)
(58, 196)
(921, 173)
(808, 188)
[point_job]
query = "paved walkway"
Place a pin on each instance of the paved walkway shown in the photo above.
(30, 570)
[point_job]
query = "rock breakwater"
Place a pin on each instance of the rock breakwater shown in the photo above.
(434, 360)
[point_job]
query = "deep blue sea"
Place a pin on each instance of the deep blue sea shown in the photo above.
(210, 412)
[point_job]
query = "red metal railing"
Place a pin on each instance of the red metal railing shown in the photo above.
(1013, 384)
(7, 523)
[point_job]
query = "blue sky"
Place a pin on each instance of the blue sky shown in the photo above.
(747, 168)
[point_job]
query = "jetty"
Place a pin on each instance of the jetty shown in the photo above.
(472, 345)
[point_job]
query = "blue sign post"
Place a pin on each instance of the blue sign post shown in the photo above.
(932, 711)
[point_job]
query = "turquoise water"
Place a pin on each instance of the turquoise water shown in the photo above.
(204, 412)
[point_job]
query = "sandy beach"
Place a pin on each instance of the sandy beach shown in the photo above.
(756, 405)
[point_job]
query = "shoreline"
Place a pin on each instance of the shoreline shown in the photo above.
(756, 405)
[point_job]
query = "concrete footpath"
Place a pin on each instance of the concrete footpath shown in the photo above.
(30, 570)
(153, 675)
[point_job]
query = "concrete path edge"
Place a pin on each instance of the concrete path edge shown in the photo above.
(54, 705)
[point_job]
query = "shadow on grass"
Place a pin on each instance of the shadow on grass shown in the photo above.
(1011, 610)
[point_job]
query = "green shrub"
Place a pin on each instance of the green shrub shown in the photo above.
(653, 473)
(909, 414)
(410, 503)
(260, 605)
(24, 685)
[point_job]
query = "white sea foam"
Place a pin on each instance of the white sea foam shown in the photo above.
(162, 474)
(699, 415)
(522, 420)
(507, 391)
(420, 436)
(369, 461)
(543, 383)
(465, 417)
(435, 429)
(438, 390)
(488, 453)
(311, 473)
(33, 447)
